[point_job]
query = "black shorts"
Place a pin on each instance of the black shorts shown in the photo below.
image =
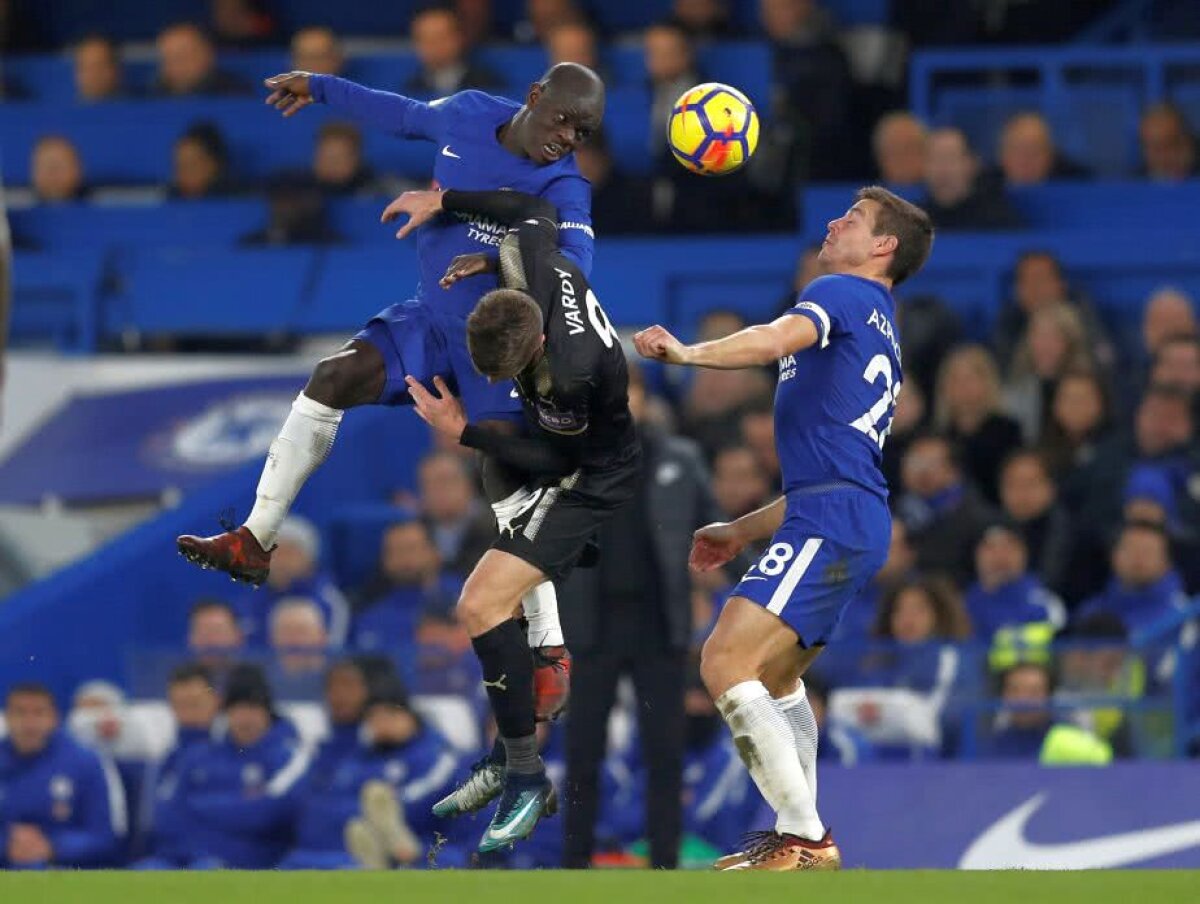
(558, 520)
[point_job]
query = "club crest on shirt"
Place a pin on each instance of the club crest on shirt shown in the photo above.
(62, 789)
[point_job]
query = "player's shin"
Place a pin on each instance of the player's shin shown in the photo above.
(765, 743)
(301, 447)
(796, 709)
(508, 678)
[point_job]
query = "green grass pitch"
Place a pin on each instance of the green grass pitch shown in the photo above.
(601, 887)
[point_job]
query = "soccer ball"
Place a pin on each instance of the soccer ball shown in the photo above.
(713, 129)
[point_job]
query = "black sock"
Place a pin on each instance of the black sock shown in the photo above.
(508, 677)
(498, 755)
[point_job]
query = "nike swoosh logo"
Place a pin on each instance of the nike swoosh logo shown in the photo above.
(512, 823)
(1003, 845)
(752, 578)
(514, 395)
(446, 152)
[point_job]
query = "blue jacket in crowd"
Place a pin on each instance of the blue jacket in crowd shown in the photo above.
(720, 799)
(232, 806)
(68, 792)
(844, 745)
(164, 820)
(422, 771)
(1147, 612)
(1022, 601)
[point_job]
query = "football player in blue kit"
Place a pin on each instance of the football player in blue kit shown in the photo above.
(839, 362)
(481, 142)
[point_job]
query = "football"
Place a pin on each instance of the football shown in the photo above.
(713, 129)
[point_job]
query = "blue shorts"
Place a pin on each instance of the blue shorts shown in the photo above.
(419, 340)
(831, 543)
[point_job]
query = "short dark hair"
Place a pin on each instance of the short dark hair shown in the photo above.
(503, 332)
(208, 604)
(31, 689)
(908, 223)
(190, 671)
(207, 136)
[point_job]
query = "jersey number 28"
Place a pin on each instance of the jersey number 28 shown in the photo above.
(868, 423)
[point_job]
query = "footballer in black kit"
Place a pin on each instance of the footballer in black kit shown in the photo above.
(578, 460)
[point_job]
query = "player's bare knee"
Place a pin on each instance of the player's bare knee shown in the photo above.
(353, 376)
(330, 381)
(478, 613)
(719, 667)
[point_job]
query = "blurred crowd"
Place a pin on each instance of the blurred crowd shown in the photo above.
(832, 114)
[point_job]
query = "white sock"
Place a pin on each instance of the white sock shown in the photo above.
(798, 712)
(302, 445)
(541, 611)
(765, 743)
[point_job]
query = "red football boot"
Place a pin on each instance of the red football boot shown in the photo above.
(551, 681)
(237, 553)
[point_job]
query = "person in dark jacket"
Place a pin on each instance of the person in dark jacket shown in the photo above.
(61, 805)
(441, 48)
(236, 792)
(959, 197)
(632, 615)
(1029, 498)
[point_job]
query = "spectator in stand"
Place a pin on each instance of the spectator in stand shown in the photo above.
(1168, 145)
(295, 572)
(1029, 499)
(808, 267)
(295, 216)
(944, 514)
(194, 703)
(338, 167)
(97, 69)
(298, 636)
(704, 20)
(241, 24)
(63, 805)
(739, 483)
(1146, 592)
(1080, 422)
(929, 331)
(812, 84)
(1177, 363)
(671, 66)
(1022, 726)
(187, 65)
(1007, 594)
(393, 780)
(715, 399)
(1038, 282)
(236, 793)
(1169, 312)
(896, 695)
(214, 637)
(461, 526)
(621, 203)
(1028, 156)
(968, 411)
(542, 17)
(1055, 343)
(574, 42)
(56, 171)
(410, 582)
(758, 433)
(318, 50)
(1150, 497)
(899, 145)
(957, 197)
(201, 163)
(347, 688)
(441, 49)
(909, 421)
(1095, 661)
(858, 619)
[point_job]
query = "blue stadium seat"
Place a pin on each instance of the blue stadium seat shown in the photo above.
(355, 283)
(387, 72)
(210, 292)
(183, 224)
(519, 67)
(44, 77)
(54, 299)
(1187, 97)
(1095, 126)
(627, 127)
(357, 220)
(746, 65)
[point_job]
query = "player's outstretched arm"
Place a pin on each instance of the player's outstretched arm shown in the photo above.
(291, 92)
(754, 346)
(504, 207)
(716, 544)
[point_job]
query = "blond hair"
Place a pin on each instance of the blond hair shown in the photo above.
(980, 360)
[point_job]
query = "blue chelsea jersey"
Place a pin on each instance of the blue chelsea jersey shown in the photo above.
(835, 400)
(468, 157)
